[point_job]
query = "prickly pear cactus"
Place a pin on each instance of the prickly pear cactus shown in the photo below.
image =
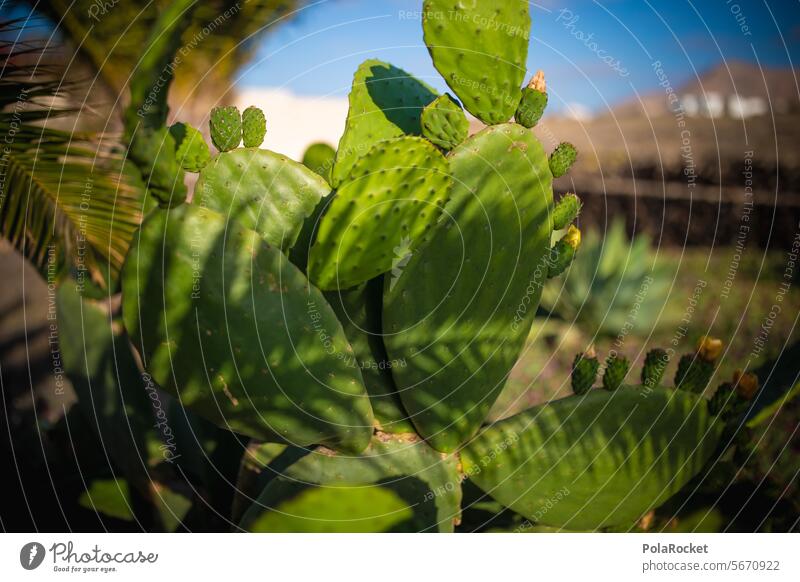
(191, 150)
(462, 308)
(395, 192)
(614, 455)
(397, 484)
(562, 158)
(364, 333)
(318, 158)
(226, 128)
(480, 48)
(444, 122)
(226, 323)
(385, 102)
(254, 127)
(262, 191)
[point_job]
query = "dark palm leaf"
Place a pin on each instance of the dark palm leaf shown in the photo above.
(66, 199)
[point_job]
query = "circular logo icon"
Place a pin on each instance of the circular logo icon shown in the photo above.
(31, 555)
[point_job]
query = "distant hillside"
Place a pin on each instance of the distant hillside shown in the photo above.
(776, 86)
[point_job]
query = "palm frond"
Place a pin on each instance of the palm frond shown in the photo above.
(66, 199)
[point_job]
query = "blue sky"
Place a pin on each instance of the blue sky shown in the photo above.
(317, 52)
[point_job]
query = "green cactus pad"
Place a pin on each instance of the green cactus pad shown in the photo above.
(254, 127)
(563, 252)
(153, 152)
(531, 107)
(444, 122)
(385, 102)
(262, 191)
(359, 311)
(230, 326)
(397, 484)
(566, 211)
(613, 455)
(111, 392)
(225, 124)
(562, 159)
(191, 150)
(461, 309)
(693, 373)
(395, 193)
(584, 373)
(617, 368)
(481, 49)
(318, 158)
(655, 363)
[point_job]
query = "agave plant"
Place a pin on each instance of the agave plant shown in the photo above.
(272, 303)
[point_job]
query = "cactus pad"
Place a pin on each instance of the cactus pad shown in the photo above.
(562, 159)
(226, 323)
(385, 102)
(191, 150)
(254, 127)
(563, 252)
(262, 191)
(462, 307)
(531, 107)
(584, 372)
(318, 158)
(481, 49)
(225, 124)
(153, 151)
(359, 311)
(566, 211)
(613, 455)
(655, 363)
(396, 192)
(397, 484)
(616, 369)
(444, 122)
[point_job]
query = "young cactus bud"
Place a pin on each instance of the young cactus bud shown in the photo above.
(563, 252)
(709, 348)
(319, 158)
(695, 370)
(746, 384)
(655, 362)
(254, 127)
(566, 211)
(226, 128)
(444, 123)
(616, 369)
(584, 371)
(191, 150)
(562, 158)
(693, 373)
(533, 102)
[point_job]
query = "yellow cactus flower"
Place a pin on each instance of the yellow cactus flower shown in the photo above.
(709, 348)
